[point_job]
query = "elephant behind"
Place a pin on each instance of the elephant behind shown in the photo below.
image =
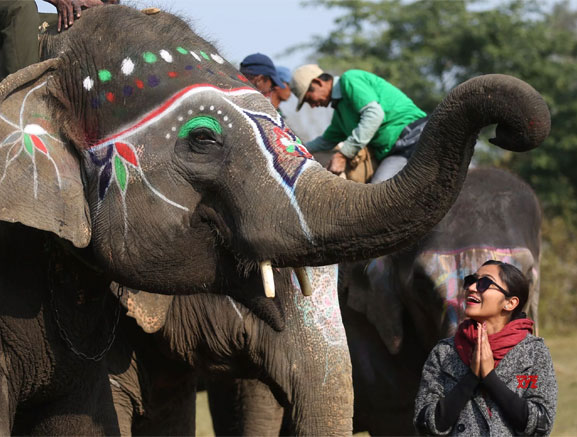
(496, 216)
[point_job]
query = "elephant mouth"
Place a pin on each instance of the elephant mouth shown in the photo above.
(268, 280)
(224, 236)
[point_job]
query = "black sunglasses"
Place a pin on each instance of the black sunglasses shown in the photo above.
(483, 283)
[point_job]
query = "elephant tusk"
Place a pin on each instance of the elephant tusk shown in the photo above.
(267, 278)
(304, 281)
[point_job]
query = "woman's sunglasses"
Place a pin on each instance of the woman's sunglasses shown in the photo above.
(483, 283)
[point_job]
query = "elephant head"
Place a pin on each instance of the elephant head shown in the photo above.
(138, 139)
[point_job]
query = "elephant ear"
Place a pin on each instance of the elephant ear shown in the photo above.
(148, 309)
(40, 179)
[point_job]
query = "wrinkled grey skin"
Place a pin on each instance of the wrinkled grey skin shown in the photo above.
(306, 365)
(496, 216)
(136, 166)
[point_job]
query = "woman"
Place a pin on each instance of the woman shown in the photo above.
(493, 377)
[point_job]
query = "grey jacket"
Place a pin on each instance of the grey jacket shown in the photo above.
(444, 368)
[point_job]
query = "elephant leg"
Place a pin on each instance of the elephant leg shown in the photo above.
(243, 407)
(6, 407)
(262, 413)
(87, 410)
(123, 406)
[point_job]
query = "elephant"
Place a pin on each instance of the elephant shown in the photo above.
(420, 290)
(170, 340)
(137, 154)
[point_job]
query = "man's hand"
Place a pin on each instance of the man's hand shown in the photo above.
(338, 163)
(69, 10)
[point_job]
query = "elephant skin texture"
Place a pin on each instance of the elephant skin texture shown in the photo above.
(153, 374)
(136, 154)
(496, 216)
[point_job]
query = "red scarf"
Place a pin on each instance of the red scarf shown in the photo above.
(501, 342)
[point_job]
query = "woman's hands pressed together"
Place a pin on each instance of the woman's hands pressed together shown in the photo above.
(482, 361)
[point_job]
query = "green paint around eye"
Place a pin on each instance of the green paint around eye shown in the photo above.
(104, 75)
(120, 170)
(204, 55)
(290, 148)
(28, 144)
(149, 57)
(182, 50)
(201, 121)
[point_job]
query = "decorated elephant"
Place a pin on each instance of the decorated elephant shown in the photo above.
(137, 154)
(420, 290)
(154, 366)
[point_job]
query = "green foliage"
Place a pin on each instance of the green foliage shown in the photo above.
(429, 46)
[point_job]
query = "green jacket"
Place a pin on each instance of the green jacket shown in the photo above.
(359, 88)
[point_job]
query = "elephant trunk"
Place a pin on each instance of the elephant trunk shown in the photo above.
(348, 220)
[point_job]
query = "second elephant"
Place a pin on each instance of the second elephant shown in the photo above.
(306, 364)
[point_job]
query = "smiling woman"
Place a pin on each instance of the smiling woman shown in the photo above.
(494, 376)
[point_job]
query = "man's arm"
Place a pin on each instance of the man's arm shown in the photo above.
(69, 10)
(318, 144)
(372, 115)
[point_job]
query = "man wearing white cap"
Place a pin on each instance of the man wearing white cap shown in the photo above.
(369, 111)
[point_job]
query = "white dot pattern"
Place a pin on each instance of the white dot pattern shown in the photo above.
(127, 66)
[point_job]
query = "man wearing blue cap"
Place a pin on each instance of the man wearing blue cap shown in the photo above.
(261, 72)
(281, 94)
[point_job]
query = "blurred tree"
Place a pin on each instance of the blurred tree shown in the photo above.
(429, 46)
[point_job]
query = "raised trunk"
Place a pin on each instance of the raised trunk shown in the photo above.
(348, 220)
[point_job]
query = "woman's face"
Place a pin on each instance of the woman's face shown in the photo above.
(481, 306)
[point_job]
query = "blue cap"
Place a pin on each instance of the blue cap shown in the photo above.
(258, 63)
(284, 74)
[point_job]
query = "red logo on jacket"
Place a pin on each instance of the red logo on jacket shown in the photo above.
(527, 381)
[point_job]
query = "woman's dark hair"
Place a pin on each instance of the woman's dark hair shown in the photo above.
(325, 77)
(516, 282)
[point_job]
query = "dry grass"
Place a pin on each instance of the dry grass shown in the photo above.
(564, 352)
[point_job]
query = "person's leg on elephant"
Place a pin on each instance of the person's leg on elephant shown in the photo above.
(18, 35)
(399, 156)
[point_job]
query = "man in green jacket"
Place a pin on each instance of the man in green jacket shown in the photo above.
(368, 112)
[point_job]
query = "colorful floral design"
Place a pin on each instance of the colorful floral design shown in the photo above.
(112, 160)
(29, 138)
(321, 311)
(283, 145)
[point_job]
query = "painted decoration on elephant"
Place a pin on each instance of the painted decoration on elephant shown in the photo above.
(116, 156)
(136, 74)
(321, 310)
(447, 270)
(29, 140)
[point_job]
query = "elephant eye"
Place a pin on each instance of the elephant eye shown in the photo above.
(201, 132)
(202, 136)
